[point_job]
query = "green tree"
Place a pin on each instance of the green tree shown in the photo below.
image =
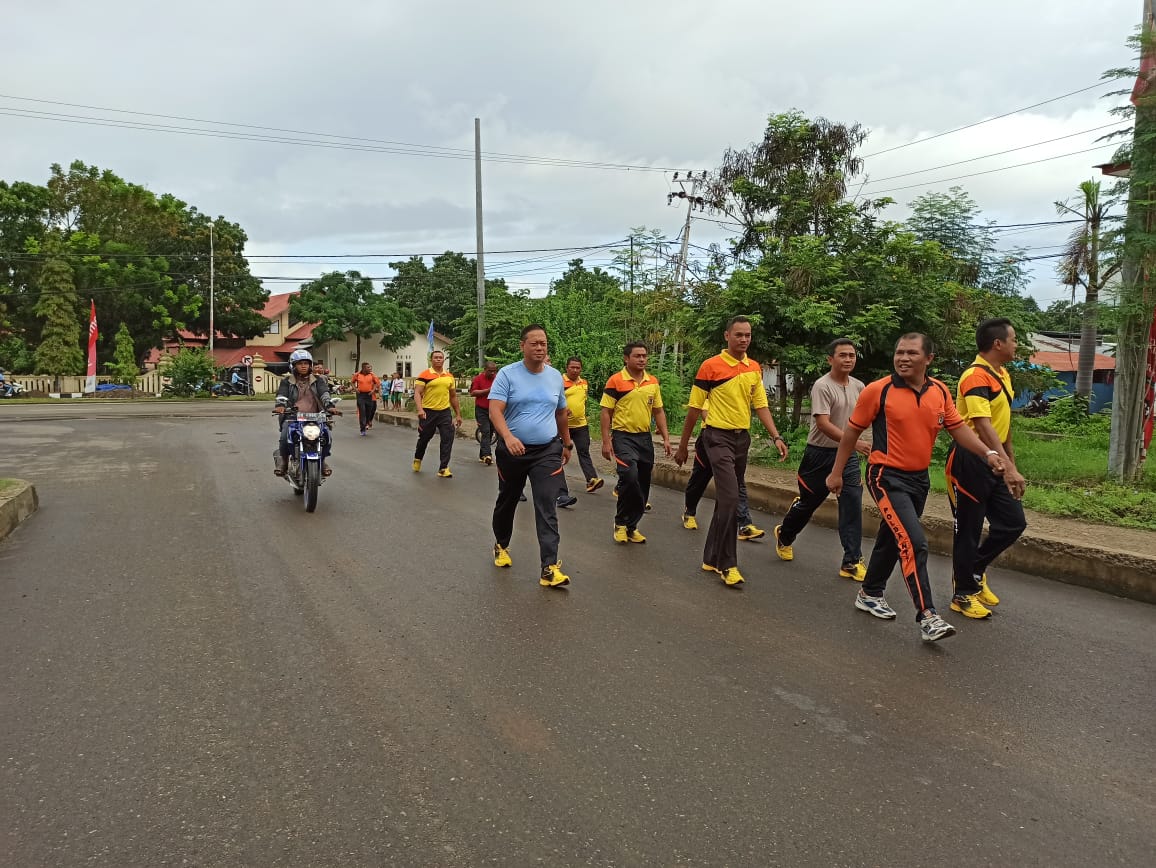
(1091, 260)
(124, 367)
(954, 220)
(788, 183)
(442, 292)
(346, 303)
(189, 370)
(507, 313)
(1063, 315)
(58, 352)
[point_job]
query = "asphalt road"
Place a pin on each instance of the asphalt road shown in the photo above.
(194, 671)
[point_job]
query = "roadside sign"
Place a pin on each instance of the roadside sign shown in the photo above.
(246, 361)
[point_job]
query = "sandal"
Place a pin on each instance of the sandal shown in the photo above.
(326, 470)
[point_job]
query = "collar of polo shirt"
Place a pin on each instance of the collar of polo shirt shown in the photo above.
(646, 376)
(732, 361)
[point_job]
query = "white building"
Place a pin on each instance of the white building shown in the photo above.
(340, 357)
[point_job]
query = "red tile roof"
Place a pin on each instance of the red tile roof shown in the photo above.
(1067, 362)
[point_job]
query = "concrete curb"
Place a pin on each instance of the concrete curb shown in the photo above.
(1124, 574)
(17, 504)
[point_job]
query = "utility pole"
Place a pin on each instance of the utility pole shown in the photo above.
(481, 259)
(1136, 341)
(212, 292)
(693, 200)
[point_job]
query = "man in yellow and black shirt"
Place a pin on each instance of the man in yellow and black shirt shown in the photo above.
(631, 398)
(577, 390)
(733, 383)
(434, 393)
(975, 493)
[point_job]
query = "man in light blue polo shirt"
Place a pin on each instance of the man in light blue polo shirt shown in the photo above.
(528, 410)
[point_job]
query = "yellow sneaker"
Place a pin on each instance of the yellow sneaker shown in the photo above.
(620, 535)
(856, 571)
(689, 522)
(445, 473)
(635, 537)
(553, 577)
(750, 532)
(985, 593)
(731, 576)
(648, 507)
(785, 553)
(501, 557)
(707, 568)
(970, 606)
(417, 465)
(593, 485)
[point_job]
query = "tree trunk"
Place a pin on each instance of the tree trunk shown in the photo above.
(797, 406)
(357, 362)
(1087, 360)
(782, 391)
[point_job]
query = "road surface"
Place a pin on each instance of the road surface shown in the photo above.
(194, 671)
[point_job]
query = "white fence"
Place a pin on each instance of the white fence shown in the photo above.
(152, 382)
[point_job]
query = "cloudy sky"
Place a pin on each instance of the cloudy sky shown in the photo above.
(637, 83)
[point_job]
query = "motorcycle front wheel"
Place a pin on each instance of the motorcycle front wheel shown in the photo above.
(312, 473)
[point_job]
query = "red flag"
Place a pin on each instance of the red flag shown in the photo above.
(1147, 55)
(1149, 393)
(90, 384)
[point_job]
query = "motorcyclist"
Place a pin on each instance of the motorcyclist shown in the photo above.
(301, 391)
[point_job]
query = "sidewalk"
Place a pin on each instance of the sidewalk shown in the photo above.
(1117, 560)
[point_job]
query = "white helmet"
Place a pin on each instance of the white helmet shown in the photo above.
(300, 356)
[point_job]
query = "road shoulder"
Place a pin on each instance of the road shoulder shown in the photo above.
(18, 501)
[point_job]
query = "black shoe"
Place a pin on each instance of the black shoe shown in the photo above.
(565, 500)
(521, 498)
(280, 464)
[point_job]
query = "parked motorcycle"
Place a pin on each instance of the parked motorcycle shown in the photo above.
(309, 435)
(1037, 406)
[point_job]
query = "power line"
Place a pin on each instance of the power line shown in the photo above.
(986, 121)
(333, 142)
(991, 171)
(995, 154)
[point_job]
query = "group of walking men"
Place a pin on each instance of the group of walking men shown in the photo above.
(539, 416)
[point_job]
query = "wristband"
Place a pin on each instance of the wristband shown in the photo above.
(990, 452)
(567, 445)
(778, 439)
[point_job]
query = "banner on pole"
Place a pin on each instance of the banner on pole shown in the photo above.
(1149, 392)
(90, 383)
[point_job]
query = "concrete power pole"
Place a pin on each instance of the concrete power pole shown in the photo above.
(212, 292)
(481, 259)
(693, 200)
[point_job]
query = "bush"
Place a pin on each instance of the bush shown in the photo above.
(191, 371)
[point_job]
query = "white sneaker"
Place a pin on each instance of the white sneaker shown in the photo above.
(877, 606)
(933, 628)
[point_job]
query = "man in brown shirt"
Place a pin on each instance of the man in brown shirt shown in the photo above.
(833, 398)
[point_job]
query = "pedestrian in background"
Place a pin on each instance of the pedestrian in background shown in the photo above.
(435, 393)
(480, 390)
(833, 398)
(577, 390)
(367, 387)
(397, 390)
(632, 398)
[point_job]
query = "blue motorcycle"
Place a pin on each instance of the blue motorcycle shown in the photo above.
(309, 437)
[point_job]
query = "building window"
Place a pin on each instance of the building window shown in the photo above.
(409, 369)
(274, 327)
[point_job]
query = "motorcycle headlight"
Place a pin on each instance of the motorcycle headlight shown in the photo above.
(311, 431)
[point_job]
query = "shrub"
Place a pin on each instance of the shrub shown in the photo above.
(190, 371)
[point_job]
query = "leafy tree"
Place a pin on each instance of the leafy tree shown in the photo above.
(592, 286)
(1063, 315)
(953, 219)
(58, 352)
(443, 292)
(789, 182)
(346, 303)
(124, 367)
(190, 370)
(16, 356)
(507, 313)
(1090, 260)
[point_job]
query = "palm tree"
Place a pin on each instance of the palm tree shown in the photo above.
(1090, 259)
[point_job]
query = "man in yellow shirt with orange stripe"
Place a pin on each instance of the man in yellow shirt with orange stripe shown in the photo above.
(733, 382)
(632, 397)
(975, 493)
(434, 393)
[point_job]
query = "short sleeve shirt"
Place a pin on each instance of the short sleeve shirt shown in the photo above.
(904, 422)
(733, 386)
(531, 401)
(437, 389)
(576, 393)
(481, 381)
(631, 403)
(986, 392)
(835, 401)
(398, 385)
